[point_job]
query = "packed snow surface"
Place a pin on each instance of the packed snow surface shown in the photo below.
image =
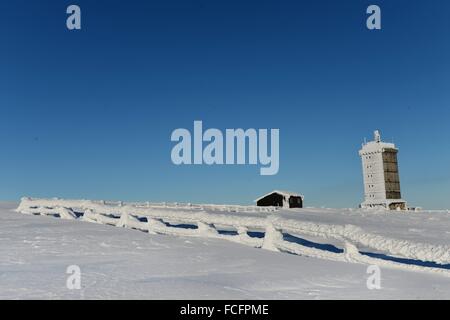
(166, 262)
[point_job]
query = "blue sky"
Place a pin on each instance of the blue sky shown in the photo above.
(89, 114)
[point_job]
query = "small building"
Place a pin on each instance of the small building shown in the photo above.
(282, 199)
(381, 176)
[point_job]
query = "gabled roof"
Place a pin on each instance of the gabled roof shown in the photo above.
(286, 194)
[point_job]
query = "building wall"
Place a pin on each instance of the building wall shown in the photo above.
(278, 200)
(374, 181)
(391, 175)
(272, 200)
(295, 202)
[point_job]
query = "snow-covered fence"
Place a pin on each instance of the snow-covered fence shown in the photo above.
(235, 223)
(155, 205)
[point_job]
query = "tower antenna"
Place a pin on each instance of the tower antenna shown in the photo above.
(377, 136)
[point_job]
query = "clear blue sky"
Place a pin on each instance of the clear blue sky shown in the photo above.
(89, 114)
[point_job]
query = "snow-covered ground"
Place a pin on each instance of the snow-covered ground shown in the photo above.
(119, 263)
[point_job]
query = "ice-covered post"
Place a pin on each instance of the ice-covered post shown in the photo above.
(90, 216)
(155, 226)
(66, 213)
(123, 221)
(24, 206)
(271, 237)
(206, 229)
(351, 252)
(243, 233)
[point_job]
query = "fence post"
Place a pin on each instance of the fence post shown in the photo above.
(271, 237)
(351, 252)
(242, 233)
(155, 226)
(123, 221)
(206, 229)
(90, 216)
(66, 213)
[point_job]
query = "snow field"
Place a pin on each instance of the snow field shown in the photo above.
(207, 221)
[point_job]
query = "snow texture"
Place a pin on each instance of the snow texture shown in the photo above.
(160, 220)
(119, 263)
